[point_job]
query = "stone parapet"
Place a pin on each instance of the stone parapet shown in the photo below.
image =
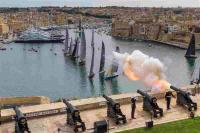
(81, 104)
(24, 100)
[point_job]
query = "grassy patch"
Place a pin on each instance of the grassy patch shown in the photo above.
(182, 126)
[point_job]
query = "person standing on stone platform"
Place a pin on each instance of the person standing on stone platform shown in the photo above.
(168, 97)
(133, 107)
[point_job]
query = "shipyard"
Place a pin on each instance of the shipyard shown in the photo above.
(99, 66)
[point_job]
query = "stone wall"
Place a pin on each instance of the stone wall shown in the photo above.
(82, 104)
(24, 100)
(59, 107)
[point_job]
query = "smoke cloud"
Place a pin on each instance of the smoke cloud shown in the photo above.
(139, 66)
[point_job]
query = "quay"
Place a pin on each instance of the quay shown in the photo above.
(51, 116)
(169, 43)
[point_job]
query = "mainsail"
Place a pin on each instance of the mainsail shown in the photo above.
(112, 72)
(102, 60)
(196, 75)
(80, 27)
(91, 74)
(70, 47)
(115, 63)
(83, 48)
(191, 48)
(75, 49)
(66, 41)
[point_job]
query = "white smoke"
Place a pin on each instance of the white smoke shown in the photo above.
(139, 66)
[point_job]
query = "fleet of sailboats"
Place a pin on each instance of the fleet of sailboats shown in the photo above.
(72, 49)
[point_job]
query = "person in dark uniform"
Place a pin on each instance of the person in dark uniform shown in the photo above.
(133, 107)
(168, 97)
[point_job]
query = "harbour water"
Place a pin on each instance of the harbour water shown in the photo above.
(49, 73)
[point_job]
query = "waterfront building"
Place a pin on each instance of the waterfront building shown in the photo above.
(166, 29)
(4, 29)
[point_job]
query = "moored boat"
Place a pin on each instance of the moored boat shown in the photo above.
(37, 36)
(190, 53)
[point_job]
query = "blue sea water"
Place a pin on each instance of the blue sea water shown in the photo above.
(27, 73)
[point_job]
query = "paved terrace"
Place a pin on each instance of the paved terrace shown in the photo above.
(51, 123)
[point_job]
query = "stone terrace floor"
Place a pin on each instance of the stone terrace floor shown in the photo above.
(52, 123)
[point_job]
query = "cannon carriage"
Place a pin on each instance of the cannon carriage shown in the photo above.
(73, 117)
(114, 111)
(184, 99)
(21, 125)
(150, 104)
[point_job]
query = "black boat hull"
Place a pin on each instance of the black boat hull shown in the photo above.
(111, 77)
(191, 56)
(40, 41)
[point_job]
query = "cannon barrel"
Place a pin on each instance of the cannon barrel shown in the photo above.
(177, 89)
(144, 94)
(174, 88)
(110, 100)
(69, 106)
(19, 114)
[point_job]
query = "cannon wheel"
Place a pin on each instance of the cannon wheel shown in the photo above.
(189, 108)
(178, 103)
(124, 121)
(155, 114)
(16, 128)
(83, 128)
(75, 130)
(117, 122)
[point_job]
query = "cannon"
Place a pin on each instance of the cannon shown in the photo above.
(150, 104)
(184, 99)
(114, 111)
(73, 117)
(21, 125)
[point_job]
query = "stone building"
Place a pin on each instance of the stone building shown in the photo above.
(120, 28)
(4, 29)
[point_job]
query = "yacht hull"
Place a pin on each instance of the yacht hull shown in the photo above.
(40, 41)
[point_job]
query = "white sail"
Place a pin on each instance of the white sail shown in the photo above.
(91, 73)
(112, 72)
(71, 47)
(83, 47)
(66, 41)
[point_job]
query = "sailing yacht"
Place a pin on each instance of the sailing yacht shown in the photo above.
(82, 48)
(102, 60)
(75, 50)
(196, 75)
(112, 73)
(91, 73)
(71, 47)
(191, 48)
(66, 42)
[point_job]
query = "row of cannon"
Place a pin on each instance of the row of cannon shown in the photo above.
(113, 110)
